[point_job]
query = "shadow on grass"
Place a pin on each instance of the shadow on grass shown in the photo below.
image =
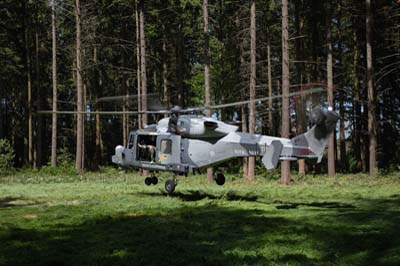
(214, 235)
(196, 195)
(327, 205)
(189, 236)
(12, 202)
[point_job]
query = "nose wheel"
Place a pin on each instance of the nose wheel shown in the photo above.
(219, 179)
(170, 184)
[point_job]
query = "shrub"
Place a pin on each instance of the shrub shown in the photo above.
(65, 165)
(6, 157)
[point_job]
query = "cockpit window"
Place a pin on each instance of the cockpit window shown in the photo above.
(131, 141)
(166, 146)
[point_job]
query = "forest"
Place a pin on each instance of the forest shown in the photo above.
(77, 76)
(82, 55)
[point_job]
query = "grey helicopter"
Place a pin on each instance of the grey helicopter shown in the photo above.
(184, 142)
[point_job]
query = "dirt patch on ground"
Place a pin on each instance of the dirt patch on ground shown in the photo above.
(30, 216)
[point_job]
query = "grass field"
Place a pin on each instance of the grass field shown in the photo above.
(114, 219)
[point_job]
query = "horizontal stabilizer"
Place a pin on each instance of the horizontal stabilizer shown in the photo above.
(271, 156)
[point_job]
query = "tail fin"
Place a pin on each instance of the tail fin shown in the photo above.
(316, 139)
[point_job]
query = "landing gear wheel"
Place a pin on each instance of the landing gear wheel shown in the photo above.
(148, 181)
(220, 179)
(170, 186)
(154, 180)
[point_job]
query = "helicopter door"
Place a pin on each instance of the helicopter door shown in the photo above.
(169, 149)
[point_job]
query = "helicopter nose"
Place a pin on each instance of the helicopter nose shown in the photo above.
(119, 154)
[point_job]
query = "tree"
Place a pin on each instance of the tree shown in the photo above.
(342, 96)
(371, 93)
(54, 83)
(300, 110)
(166, 93)
(143, 75)
(285, 165)
(207, 71)
(269, 69)
(79, 92)
(39, 102)
(29, 86)
(329, 67)
(252, 118)
(138, 63)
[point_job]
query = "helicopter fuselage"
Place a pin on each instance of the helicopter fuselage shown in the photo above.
(172, 152)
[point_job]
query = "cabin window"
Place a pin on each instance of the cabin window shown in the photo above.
(146, 148)
(166, 146)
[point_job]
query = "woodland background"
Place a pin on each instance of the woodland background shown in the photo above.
(69, 55)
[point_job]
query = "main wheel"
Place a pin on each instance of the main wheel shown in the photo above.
(220, 179)
(170, 186)
(148, 181)
(154, 180)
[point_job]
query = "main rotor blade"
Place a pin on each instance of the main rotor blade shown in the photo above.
(187, 110)
(121, 98)
(102, 112)
(309, 91)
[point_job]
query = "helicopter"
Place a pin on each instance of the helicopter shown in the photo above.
(184, 141)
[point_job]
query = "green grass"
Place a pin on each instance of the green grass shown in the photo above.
(112, 218)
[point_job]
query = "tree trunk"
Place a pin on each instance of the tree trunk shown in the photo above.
(357, 105)
(329, 67)
(125, 107)
(371, 94)
(166, 97)
(54, 83)
(270, 117)
(243, 97)
(29, 90)
(252, 117)
(285, 165)
(180, 65)
(244, 130)
(98, 141)
(39, 122)
(79, 91)
(138, 70)
(342, 135)
(300, 110)
(143, 63)
(84, 97)
(143, 74)
(210, 176)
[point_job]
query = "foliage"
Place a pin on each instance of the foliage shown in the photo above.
(65, 165)
(6, 157)
(352, 163)
(197, 86)
(273, 174)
